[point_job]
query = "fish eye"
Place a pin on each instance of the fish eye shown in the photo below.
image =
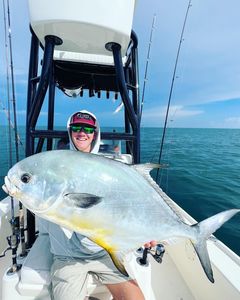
(25, 178)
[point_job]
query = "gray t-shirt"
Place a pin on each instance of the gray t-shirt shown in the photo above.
(78, 246)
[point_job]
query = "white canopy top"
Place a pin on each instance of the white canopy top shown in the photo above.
(84, 26)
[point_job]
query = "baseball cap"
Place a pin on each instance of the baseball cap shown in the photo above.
(83, 118)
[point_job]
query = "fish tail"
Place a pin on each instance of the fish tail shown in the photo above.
(205, 229)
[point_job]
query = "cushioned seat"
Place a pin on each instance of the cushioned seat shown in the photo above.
(36, 267)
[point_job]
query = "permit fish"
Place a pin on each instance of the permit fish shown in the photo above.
(117, 206)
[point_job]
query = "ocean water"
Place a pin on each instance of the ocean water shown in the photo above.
(202, 175)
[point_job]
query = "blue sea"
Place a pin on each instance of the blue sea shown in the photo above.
(203, 173)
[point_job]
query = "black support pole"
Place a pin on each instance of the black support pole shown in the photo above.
(116, 50)
(36, 95)
(50, 42)
(131, 115)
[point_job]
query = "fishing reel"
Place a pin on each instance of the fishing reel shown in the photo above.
(156, 252)
(14, 239)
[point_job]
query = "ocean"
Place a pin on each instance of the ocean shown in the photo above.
(202, 173)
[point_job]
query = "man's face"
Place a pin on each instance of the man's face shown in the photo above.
(81, 138)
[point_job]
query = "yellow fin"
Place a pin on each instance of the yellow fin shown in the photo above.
(117, 258)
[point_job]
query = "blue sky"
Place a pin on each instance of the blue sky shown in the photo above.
(207, 88)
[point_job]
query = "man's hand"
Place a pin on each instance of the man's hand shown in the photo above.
(150, 244)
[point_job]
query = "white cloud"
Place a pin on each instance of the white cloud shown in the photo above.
(208, 65)
(175, 111)
(232, 122)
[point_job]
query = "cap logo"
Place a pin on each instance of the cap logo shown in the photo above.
(84, 116)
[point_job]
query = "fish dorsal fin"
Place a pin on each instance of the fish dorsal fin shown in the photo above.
(83, 200)
(144, 170)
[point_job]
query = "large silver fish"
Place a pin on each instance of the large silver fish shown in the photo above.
(115, 205)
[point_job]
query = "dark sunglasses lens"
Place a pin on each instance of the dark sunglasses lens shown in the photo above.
(75, 128)
(88, 130)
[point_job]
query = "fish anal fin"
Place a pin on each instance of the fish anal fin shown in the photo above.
(118, 258)
(116, 255)
(201, 250)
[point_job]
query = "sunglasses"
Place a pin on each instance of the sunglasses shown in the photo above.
(86, 129)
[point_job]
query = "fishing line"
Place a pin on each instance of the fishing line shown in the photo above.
(11, 124)
(172, 85)
(147, 62)
(167, 151)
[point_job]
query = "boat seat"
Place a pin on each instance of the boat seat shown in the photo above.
(36, 267)
(35, 272)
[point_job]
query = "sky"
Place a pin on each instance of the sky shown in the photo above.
(206, 90)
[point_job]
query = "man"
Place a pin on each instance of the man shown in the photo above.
(77, 257)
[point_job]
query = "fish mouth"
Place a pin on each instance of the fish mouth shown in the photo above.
(14, 191)
(4, 187)
(9, 188)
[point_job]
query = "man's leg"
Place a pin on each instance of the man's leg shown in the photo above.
(128, 290)
(120, 286)
(69, 279)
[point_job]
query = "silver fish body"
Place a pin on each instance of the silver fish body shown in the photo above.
(115, 205)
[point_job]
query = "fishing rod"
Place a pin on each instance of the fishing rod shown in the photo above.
(21, 212)
(147, 62)
(13, 84)
(8, 90)
(13, 240)
(17, 223)
(172, 85)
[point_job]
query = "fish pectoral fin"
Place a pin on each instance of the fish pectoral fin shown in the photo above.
(118, 258)
(67, 232)
(83, 200)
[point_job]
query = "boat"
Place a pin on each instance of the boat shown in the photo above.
(101, 61)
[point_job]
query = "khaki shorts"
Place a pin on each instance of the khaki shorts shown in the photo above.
(70, 276)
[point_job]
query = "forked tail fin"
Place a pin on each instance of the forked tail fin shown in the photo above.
(205, 229)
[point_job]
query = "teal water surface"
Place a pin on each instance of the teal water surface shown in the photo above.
(202, 174)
